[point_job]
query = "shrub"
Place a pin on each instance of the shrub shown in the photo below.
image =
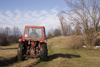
(97, 42)
(76, 42)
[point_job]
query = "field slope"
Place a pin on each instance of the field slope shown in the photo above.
(58, 56)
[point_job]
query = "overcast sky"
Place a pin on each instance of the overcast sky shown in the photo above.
(30, 12)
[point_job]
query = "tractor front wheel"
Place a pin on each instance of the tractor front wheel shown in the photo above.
(20, 52)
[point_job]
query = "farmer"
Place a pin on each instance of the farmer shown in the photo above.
(33, 34)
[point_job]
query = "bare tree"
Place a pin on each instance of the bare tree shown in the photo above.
(65, 26)
(85, 14)
(62, 22)
(16, 33)
(68, 29)
(1, 30)
(4, 35)
(73, 32)
(50, 33)
(9, 36)
(1, 36)
(57, 32)
(77, 30)
(7, 31)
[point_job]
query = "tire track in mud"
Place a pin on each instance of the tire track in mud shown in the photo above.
(6, 62)
(44, 62)
(26, 63)
(12, 62)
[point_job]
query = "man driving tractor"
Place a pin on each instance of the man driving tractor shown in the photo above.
(33, 34)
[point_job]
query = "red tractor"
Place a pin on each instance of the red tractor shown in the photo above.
(33, 43)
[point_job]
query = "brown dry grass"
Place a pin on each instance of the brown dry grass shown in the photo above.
(8, 51)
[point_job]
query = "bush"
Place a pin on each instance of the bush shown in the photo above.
(91, 39)
(97, 42)
(76, 42)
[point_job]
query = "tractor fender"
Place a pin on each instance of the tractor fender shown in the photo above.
(21, 40)
(40, 44)
(42, 40)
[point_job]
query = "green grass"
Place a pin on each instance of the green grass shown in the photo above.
(58, 56)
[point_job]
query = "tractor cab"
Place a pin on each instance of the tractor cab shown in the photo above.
(34, 33)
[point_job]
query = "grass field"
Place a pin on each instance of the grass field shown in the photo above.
(58, 56)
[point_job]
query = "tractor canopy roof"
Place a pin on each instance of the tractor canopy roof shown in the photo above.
(34, 32)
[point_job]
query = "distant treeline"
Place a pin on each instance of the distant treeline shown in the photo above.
(8, 35)
(67, 31)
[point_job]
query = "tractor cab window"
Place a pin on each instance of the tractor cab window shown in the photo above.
(33, 33)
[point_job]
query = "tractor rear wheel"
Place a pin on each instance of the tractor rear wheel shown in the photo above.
(20, 52)
(43, 52)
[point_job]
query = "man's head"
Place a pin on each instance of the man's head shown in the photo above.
(33, 30)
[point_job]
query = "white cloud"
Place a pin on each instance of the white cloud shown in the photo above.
(18, 18)
(35, 14)
(2, 16)
(41, 18)
(54, 10)
(9, 14)
(1, 20)
(43, 12)
(17, 11)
